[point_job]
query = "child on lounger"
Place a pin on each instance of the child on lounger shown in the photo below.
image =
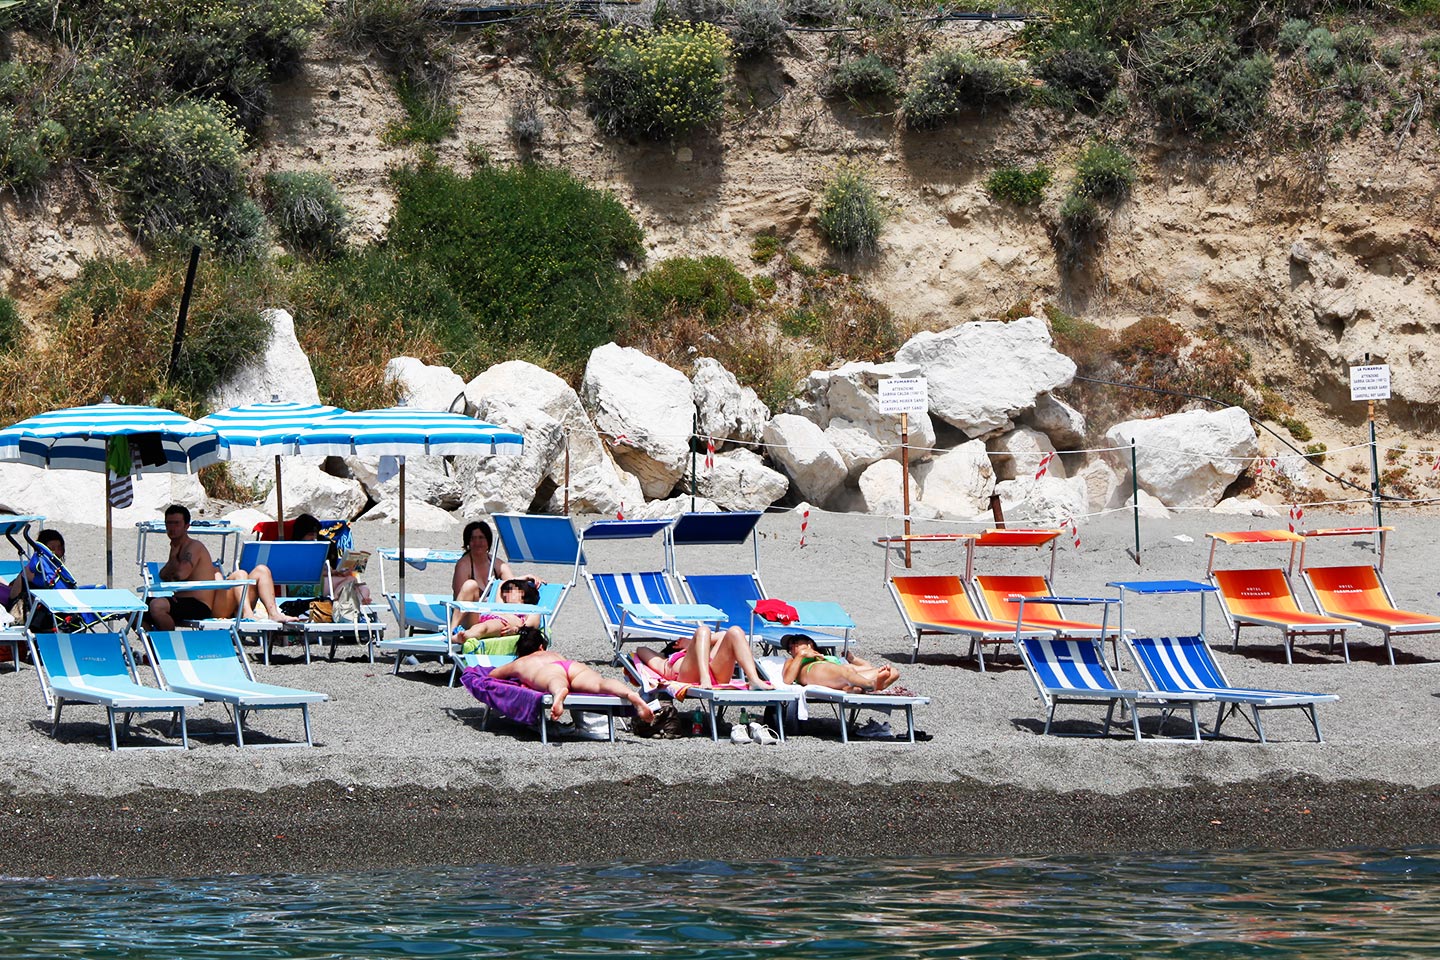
(539, 669)
(849, 673)
(505, 624)
(682, 658)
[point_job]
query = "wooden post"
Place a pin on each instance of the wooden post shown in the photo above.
(905, 479)
(1374, 468)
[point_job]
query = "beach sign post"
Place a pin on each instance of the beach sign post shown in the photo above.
(1371, 382)
(904, 395)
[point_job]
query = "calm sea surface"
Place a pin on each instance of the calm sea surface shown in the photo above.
(1322, 905)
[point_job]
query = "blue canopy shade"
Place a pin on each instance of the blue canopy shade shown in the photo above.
(267, 429)
(625, 529)
(714, 528)
(77, 438)
(406, 431)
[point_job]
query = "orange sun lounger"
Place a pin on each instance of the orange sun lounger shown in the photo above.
(1263, 598)
(996, 590)
(1358, 594)
(940, 605)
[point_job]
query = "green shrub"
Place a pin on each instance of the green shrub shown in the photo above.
(12, 328)
(709, 286)
(1104, 173)
(851, 214)
(814, 13)
(952, 82)
(659, 85)
(1315, 453)
(1353, 80)
(397, 28)
(1024, 188)
(863, 78)
(1391, 56)
(1081, 228)
(1291, 35)
(526, 124)
(764, 247)
(1322, 59)
(1197, 79)
(1089, 73)
(307, 211)
(759, 26)
(27, 153)
(1298, 429)
(1355, 42)
(530, 252)
(429, 116)
(182, 174)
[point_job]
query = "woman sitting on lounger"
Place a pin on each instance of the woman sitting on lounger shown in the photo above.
(704, 659)
(505, 624)
(849, 673)
(539, 669)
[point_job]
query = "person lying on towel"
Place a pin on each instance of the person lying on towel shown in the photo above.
(704, 659)
(849, 673)
(539, 669)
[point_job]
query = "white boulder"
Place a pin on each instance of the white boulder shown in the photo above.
(958, 483)
(741, 481)
(282, 371)
(1150, 507)
(1100, 484)
(727, 410)
(1019, 453)
(846, 403)
(1048, 500)
(1062, 423)
(423, 386)
(801, 450)
(246, 517)
(982, 375)
(1186, 459)
(646, 410)
(418, 516)
(881, 490)
(427, 480)
(308, 489)
(670, 507)
(78, 496)
(1245, 507)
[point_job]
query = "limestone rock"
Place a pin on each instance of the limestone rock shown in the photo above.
(801, 450)
(423, 386)
(1186, 459)
(1245, 507)
(845, 402)
(1062, 423)
(958, 483)
(727, 410)
(78, 496)
(741, 481)
(880, 489)
(599, 488)
(1100, 485)
(1047, 501)
(418, 516)
(427, 480)
(647, 411)
(982, 375)
(1019, 452)
(1150, 507)
(283, 371)
(309, 489)
(670, 507)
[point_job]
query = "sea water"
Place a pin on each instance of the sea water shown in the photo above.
(1320, 905)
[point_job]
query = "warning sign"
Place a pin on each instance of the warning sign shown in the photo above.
(904, 395)
(1370, 382)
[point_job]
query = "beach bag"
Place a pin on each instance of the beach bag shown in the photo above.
(321, 610)
(345, 608)
(669, 724)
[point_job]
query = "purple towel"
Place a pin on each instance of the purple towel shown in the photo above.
(510, 697)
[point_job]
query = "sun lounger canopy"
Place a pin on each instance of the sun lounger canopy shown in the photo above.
(714, 528)
(624, 529)
(1156, 587)
(1016, 538)
(1257, 536)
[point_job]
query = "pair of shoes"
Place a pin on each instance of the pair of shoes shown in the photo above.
(739, 733)
(873, 729)
(762, 734)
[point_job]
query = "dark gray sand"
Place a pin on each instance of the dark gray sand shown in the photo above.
(404, 775)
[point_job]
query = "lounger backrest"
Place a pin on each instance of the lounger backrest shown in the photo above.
(82, 656)
(426, 610)
(730, 592)
(614, 589)
(204, 656)
(528, 539)
(934, 599)
(1177, 664)
(1256, 592)
(1061, 664)
(996, 591)
(291, 562)
(1340, 590)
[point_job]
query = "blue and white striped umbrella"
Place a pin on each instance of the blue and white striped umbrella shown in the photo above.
(266, 429)
(406, 431)
(78, 438)
(403, 432)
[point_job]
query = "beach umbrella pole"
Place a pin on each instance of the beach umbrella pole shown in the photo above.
(279, 502)
(109, 535)
(402, 547)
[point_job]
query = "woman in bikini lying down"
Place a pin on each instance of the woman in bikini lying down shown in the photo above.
(505, 624)
(683, 659)
(849, 673)
(539, 669)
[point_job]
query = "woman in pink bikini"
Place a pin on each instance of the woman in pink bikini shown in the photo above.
(705, 660)
(539, 669)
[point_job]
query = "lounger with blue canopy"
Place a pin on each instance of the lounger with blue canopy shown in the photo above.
(210, 665)
(737, 593)
(1185, 664)
(654, 608)
(97, 667)
(300, 564)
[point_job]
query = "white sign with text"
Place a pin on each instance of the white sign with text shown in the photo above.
(904, 395)
(1370, 382)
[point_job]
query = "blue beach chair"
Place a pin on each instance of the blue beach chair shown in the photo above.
(300, 565)
(654, 608)
(208, 664)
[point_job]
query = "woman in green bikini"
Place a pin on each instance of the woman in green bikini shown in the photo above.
(849, 673)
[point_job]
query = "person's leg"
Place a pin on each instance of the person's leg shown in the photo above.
(470, 592)
(264, 591)
(160, 614)
(558, 686)
(651, 659)
(695, 666)
(225, 603)
(736, 650)
(585, 679)
(494, 627)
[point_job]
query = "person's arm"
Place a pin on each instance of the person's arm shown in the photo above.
(501, 571)
(182, 566)
(506, 671)
(458, 578)
(790, 673)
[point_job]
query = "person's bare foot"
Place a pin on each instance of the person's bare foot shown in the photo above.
(885, 676)
(642, 709)
(280, 616)
(558, 707)
(760, 685)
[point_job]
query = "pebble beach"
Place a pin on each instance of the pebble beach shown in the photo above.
(404, 774)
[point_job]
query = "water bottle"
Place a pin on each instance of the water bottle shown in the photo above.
(745, 719)
(695, 727)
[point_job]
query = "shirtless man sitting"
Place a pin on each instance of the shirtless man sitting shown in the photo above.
(539, 669)
(190, 560)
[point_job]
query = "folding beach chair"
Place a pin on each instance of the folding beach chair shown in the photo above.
(301, 565)
(737, 593)
(939, 605)
(96, 667)
(209, 664)
(847, 705)
(639, 605)
(1359, 593)
(1264, 597)
(713, 701)
(1075, 672)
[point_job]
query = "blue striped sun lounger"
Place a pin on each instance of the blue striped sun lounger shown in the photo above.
(652, 608)
(208, 664)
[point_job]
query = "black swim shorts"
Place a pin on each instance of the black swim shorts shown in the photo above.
(188, 608)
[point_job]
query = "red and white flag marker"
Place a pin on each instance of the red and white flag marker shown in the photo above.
(1044, 464)
(804, 523)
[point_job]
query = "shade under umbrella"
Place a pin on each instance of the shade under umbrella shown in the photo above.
(405, 431)
(254, 431)
(80, 438)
